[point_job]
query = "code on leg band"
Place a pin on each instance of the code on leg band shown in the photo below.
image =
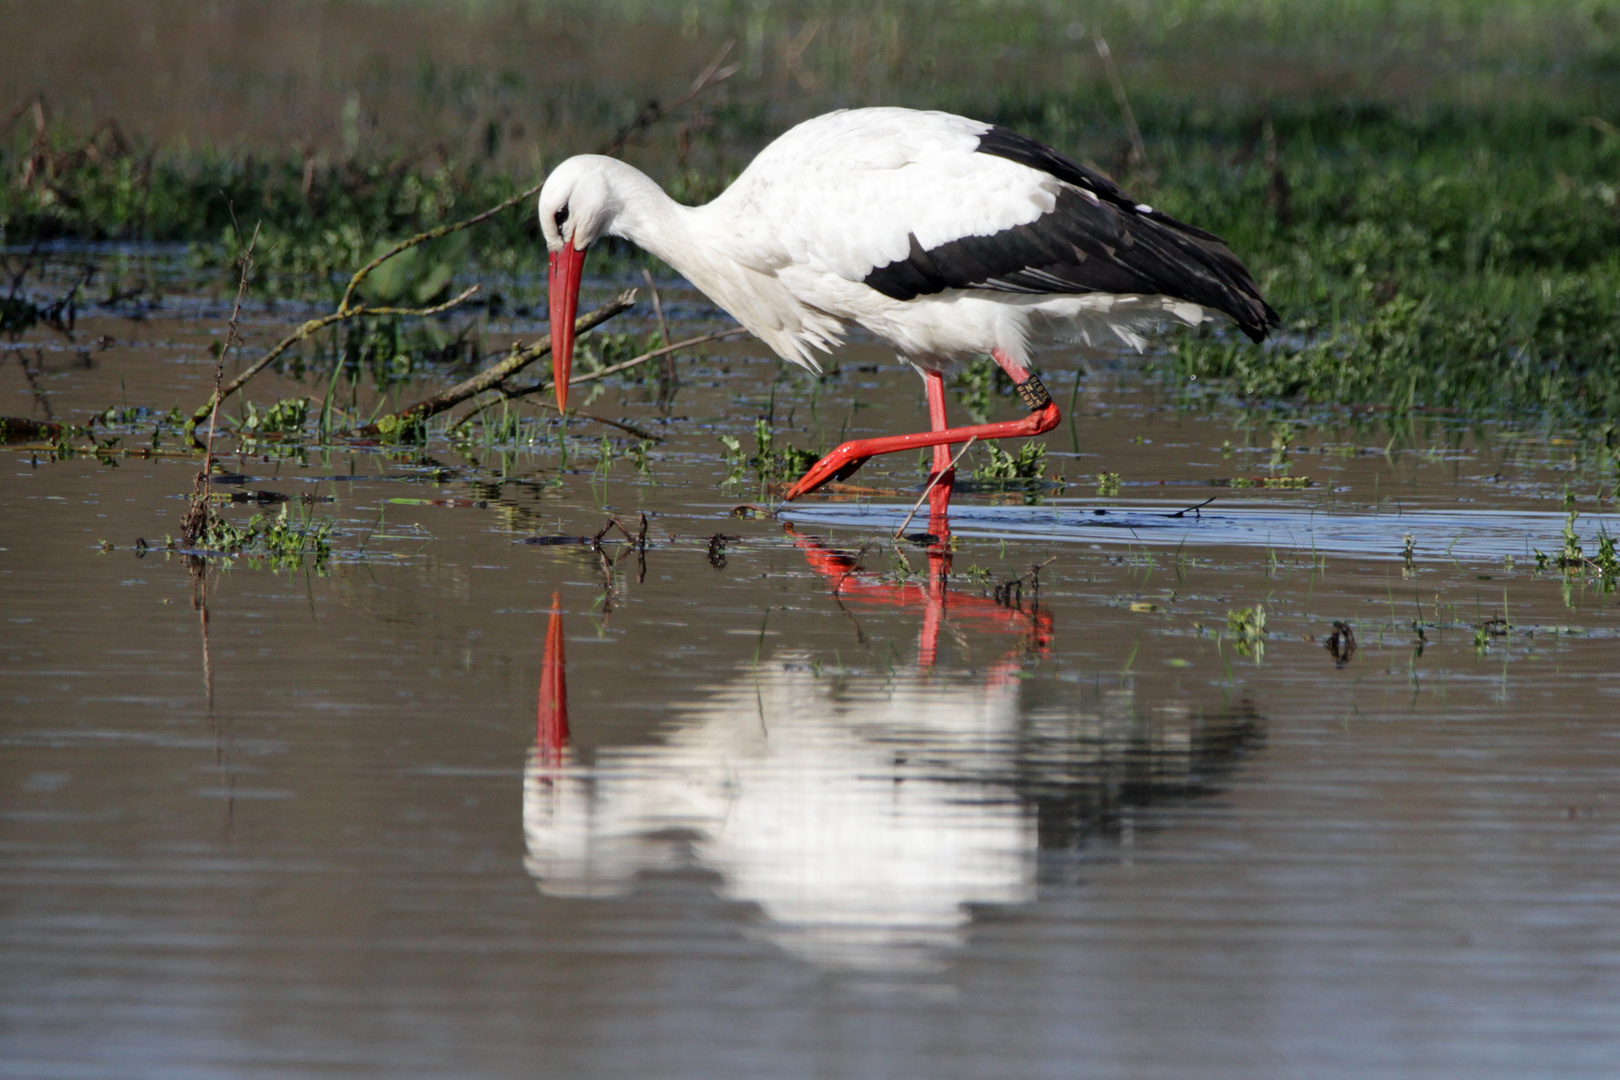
(1033, 392)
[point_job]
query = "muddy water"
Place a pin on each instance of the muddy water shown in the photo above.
(458, 803)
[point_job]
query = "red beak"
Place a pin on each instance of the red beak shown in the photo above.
(563, 291)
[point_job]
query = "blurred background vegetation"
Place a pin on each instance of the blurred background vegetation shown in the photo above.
(1426, 189)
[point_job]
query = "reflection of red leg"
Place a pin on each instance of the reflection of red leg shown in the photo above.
(551, 720)
(937, 591)
(850, 456)
(847, 583)
(939, 496)
(933, 615)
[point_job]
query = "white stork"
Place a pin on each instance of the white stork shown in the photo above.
(944, 236)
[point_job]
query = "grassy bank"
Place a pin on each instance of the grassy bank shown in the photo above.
(1426, 191)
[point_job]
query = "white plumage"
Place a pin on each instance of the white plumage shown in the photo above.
(789, 247)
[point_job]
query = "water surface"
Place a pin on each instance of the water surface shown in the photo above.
(457, 804)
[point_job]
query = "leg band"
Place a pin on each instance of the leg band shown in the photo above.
(1033, 392)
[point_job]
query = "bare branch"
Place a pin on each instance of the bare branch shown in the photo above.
(491, 377)
(307, 330)
(535, 388)
(431, 234)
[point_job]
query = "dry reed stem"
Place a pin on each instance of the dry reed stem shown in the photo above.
(195, 523)
(663, 330)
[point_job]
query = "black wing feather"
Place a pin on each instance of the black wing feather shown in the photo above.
(1094, 240)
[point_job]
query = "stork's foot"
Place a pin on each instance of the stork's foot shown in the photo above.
(841, 464)
(852, 455)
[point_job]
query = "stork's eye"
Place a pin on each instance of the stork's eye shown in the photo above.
(560, 217)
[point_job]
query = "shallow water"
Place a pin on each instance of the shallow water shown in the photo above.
(453, 804)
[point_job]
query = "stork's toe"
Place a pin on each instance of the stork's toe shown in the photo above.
(838, 465)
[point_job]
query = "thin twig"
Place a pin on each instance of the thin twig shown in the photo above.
(510, 395)
(1138, 148)
(613, 522)
(632, 362)
(932, 480)
(853, 568)
(639, 433)
(653, 111)
(1193, 510)
(663, 330)
(1011, 593)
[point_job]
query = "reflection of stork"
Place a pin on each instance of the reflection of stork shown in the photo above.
(860, 818)
(863, 815)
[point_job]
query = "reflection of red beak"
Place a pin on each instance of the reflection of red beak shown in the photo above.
(551, 728)
(562, 290)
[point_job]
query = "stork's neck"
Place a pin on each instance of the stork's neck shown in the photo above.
(705, 245)
(653, 221)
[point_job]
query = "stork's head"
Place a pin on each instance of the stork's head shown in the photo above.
(577, 204)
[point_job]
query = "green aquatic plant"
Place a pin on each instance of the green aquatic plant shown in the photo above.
(774, 461)
(604, 457)
(1572, 559)
(286, 417)
(1248, 628)
(734, 457)
(282, 540)
(979, 381)
(638, 456)
(1028, 464)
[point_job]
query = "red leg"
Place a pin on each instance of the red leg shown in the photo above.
(852, 455)
(934, 384)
